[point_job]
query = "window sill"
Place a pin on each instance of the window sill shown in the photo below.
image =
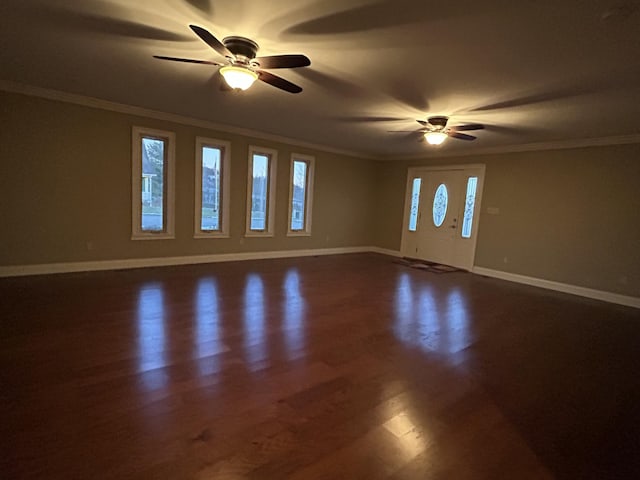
(153, 236)
(211, 235)
(298, 234)
(258, 234)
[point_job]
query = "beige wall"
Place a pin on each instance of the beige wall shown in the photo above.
(65, 177)
(569, 216)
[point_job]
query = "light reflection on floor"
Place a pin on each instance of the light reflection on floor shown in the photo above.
(404, 308)
(457, 321)
(255, 347)
(208, 323)
(422, 322)
(429, 321)
(151, 335)
(408, 438)
(294, 314)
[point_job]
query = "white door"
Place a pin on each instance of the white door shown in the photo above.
(441, 217)
(438, 222)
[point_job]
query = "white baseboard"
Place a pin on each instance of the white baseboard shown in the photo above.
(385, 251)
(48, 268)
(560, 287)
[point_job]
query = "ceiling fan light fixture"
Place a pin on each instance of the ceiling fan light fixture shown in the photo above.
(435, 138)
(238, 78)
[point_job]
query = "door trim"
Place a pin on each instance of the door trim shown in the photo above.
(412, 172)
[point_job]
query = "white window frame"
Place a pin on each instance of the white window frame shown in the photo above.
(137, 134)
(225, 163)
(271, 198)
(308, 205)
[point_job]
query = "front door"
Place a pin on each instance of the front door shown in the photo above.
(439, 219)
(442, 215)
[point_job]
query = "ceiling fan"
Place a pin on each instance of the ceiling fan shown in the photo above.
(435, 130)
(242, 67)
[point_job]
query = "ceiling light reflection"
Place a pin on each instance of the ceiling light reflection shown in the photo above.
(408, 437)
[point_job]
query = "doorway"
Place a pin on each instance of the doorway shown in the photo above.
(442, 213)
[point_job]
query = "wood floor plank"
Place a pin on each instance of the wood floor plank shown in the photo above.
(347, 366)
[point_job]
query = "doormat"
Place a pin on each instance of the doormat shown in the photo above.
(427, 266)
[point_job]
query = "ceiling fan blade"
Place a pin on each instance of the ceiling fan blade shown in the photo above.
(423, 123)
(278, 82)
(212, 41)
(186, 60)
(468, 127)
(461, 136)
(283, 61)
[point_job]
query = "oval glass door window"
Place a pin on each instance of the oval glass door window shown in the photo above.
(440, 201)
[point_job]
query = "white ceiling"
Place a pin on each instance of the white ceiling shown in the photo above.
(533, 71)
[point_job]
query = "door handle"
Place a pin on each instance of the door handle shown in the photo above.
(453, 226)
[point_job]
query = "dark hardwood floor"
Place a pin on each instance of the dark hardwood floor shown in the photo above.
(343, 367)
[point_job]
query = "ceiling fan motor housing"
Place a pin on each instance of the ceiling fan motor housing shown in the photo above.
(241, 47)
(438, 122)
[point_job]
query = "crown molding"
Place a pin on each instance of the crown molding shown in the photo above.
(91, 102)
(528, 147)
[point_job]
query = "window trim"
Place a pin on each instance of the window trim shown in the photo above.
(308, 204)
(225, 184)
(271, 196)
(137, 134)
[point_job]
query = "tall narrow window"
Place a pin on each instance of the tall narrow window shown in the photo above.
(153, 171)
(415, 204)
(212, 188)
(469, 205)
(300, 194)
(153, 154)
(261, 191)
